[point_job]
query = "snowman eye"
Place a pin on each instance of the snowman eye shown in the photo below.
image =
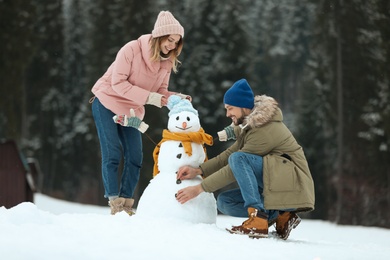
(188, 118)
(177, 118)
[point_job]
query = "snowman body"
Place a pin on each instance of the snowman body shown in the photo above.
(158, 199)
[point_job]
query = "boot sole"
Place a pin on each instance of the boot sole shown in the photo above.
(251, 235)
(292, 225)
(257, 236)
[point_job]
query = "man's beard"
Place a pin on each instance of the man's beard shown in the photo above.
(240, 120)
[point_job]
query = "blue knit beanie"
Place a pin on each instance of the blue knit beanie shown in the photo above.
(176, 105)
(240, 95)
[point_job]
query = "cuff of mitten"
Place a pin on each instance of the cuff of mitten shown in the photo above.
(143, 127)
(154, 99)
(222, 136)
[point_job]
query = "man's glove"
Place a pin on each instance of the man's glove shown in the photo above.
(154, 99)
(227, 134)
(131, 121)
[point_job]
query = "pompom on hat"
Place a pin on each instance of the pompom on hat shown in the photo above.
(176, 105)
(240, 95)
(166, 24)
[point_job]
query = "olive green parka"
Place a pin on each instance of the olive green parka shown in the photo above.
(286, 175)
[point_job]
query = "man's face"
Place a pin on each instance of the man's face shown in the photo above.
(237, 114)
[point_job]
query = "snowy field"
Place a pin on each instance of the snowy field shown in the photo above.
(55, 229)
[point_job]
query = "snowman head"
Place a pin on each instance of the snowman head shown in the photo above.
(182, 116)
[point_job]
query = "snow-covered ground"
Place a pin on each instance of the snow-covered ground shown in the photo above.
(55, 229)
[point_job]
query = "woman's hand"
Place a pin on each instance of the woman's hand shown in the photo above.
(184, 96)
(164, 101)
(188, 193)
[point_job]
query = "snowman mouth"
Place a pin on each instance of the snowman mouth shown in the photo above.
(181, 128)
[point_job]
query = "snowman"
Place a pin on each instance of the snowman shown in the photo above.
(182, 144)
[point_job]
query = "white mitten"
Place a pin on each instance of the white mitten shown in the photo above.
(154, 99)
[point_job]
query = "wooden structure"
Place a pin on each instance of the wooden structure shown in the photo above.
(17, 180)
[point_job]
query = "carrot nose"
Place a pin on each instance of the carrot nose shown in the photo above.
(184, 124)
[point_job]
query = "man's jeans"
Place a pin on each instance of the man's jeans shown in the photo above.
(248, 171)
(115, 139)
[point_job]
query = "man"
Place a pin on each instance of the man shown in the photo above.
(268, 164)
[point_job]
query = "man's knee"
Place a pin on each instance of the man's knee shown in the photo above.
(236, 156)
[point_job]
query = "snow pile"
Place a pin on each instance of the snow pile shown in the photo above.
(54, 229)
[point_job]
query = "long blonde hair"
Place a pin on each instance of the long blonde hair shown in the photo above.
(155, 44)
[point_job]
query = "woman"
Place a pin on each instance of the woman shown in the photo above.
(138, 76)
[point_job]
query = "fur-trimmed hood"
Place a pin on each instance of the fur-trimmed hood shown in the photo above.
(266, 109)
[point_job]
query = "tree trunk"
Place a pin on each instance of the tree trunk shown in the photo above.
(340, 118)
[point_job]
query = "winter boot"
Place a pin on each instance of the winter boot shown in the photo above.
(285, 223)
(122, 204)
(116, 205)
(255, 227)
(128, 206)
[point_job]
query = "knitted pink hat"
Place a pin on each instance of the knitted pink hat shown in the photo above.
(167, 24)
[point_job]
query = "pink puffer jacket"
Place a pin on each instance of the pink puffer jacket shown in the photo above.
(131, 77)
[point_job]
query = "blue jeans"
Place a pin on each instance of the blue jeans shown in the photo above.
(116, 140)
(248, 171)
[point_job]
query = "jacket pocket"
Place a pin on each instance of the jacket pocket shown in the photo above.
(280, 174)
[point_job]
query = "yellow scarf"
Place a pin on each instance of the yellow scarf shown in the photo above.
(199, 137)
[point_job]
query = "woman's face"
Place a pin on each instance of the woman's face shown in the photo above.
(170, 43)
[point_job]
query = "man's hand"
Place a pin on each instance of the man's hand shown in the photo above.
(188, 172)
(227, 134)
(188, 193)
